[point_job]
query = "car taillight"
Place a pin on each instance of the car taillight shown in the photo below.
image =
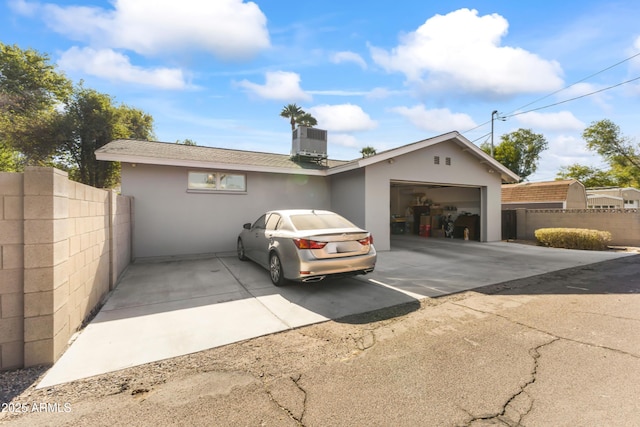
(308, 244)
(366, 241)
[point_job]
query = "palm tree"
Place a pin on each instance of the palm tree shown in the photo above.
(292, 112)
(368, 151)
(306, 119)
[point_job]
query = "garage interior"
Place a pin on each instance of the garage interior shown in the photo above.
(435, 210)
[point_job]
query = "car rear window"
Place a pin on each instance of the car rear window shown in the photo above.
(319, 221)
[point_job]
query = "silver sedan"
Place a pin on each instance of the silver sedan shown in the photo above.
(306, 245)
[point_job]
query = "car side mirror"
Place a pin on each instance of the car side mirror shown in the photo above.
(247, 226)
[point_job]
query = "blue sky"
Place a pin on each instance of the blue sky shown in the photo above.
(375, 73)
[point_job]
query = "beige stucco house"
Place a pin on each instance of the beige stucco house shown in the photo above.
(613, 198)
(561, 194)
(194, 199)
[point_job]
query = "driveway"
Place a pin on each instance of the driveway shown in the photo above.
(167, 308)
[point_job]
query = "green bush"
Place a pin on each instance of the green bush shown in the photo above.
(573, 238)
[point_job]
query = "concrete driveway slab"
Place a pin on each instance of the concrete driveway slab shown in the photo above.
(166, 308)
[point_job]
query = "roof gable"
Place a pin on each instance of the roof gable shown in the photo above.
(506, 174)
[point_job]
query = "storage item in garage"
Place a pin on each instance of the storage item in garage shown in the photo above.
(437, 232)
(417, 212)
(472, 222)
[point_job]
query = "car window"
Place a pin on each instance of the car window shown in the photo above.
(259, 222)
(273, 221)
(319, 221)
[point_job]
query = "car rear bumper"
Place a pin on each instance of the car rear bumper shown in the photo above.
(312, 269)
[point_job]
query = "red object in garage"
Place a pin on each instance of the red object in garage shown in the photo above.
(425, 230)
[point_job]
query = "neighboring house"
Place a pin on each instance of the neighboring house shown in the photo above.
(613, 198)
(194, 199)
(564, 194)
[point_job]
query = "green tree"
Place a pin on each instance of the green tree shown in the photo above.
(306, 119)
(291, 112)
(590, 177)
(519, 151)
(623, 156)
(91, 120)
(368, 151)
(296, 114)
(10, 160)
(187, 141)
(30, 91)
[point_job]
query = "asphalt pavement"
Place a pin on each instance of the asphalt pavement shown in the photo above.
(560, 348)
(168, 307)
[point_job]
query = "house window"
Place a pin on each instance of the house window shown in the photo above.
(217, 181)
(447, 161)
(436, 160)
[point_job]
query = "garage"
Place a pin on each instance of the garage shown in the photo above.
(433, 210)
(431, 181)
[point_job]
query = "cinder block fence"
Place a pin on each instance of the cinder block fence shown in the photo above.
(63, 246)
(623, 224)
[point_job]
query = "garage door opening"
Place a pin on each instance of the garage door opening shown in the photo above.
(436, 210)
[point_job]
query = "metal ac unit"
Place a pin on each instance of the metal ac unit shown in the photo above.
(309, 144)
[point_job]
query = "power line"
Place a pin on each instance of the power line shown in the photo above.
(579, 81)
(573, 99)
(513, 112)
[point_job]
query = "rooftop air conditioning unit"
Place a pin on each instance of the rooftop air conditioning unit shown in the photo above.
(309, 144)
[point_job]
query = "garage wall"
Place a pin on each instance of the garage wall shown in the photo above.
(464, 169)
(171, 221)
(347, 195)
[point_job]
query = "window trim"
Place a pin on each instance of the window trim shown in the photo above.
(219, 175)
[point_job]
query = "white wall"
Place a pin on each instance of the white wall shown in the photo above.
(171, 221)
(348, 197)
(419, 166)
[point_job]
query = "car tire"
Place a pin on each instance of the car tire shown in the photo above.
(275, 270)
(241, 253)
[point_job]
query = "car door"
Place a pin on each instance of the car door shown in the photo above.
(253, 236)
(263, 238)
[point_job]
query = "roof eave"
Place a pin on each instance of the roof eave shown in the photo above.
(124, 158)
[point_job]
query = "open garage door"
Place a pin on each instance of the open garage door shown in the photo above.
(437, 210)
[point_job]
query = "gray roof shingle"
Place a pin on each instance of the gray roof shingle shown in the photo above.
(166, 150)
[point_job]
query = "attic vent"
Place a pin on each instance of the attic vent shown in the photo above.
(309, 144)
(436, 160)
(447, 161)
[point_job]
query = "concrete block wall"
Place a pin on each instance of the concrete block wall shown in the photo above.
(60, 237)
(623, 224)
(11, 271)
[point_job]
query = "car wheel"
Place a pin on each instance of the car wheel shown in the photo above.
(275, 269)
(241, 254)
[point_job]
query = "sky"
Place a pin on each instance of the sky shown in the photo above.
(375, 73)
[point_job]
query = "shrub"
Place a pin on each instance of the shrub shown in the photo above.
(573, 238)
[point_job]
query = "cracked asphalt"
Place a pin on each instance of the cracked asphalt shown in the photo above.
(559, 349)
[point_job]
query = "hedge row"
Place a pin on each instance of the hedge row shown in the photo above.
(573, 238)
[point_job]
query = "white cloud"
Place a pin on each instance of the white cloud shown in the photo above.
(462, 51)
(280, 85)
(342, 118)
(23, 8)
(344, 140)
(436, 120)
(347, 56)
(229, 29)
(558, 122)
(111, 65)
